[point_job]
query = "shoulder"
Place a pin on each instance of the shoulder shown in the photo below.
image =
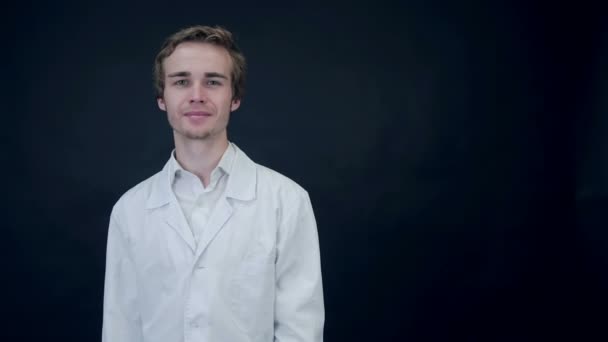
(268, 182)
(273, 183)
(277, 179)
(136, 197)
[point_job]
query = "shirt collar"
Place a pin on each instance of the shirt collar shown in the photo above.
(224, 165)
(241, 185)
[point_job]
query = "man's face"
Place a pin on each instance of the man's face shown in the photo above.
(198, 91)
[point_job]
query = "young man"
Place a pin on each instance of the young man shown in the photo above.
(214, 247)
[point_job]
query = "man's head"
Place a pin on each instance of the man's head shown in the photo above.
(199, 78)
(217, 36)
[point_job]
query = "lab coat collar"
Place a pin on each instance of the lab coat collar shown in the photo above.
(241, 182)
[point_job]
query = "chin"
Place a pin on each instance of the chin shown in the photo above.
(198, 134)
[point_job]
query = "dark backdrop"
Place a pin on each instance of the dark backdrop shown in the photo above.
(436, 139)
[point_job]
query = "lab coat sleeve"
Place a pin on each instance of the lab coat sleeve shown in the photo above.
(121, 320)
(299, 308)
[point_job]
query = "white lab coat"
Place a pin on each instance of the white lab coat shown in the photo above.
(254, 276)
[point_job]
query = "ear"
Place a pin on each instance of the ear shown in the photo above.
(161, 104)
(236, 103)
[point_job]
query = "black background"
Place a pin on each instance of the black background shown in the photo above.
(455, 154)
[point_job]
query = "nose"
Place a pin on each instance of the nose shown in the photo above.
(198, 94)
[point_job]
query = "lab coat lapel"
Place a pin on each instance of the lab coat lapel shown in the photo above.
(162, 202)
(222, 212)
(240, 187)
(174, 217)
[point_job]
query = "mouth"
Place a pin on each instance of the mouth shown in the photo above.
(197, 114)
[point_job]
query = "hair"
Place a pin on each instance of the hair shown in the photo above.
(217, 36)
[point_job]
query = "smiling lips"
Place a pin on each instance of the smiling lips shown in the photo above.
(197, 114)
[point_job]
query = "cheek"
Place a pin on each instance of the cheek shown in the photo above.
(172, 105)
(173, 98)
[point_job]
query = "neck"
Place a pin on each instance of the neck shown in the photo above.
(200, 156)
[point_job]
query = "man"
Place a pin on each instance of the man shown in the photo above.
(214, 247)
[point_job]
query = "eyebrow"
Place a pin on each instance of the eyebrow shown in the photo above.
(207, 74)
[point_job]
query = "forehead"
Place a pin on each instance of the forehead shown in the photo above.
(196, 57)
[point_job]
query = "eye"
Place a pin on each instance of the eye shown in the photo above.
(214, 83)
(181, 83)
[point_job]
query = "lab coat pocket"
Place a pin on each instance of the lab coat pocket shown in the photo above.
(252, 294)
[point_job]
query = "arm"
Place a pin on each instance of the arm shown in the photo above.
(299, 308)
(121, 322)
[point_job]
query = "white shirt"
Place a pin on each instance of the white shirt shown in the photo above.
(197, 201)
(253, 276)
